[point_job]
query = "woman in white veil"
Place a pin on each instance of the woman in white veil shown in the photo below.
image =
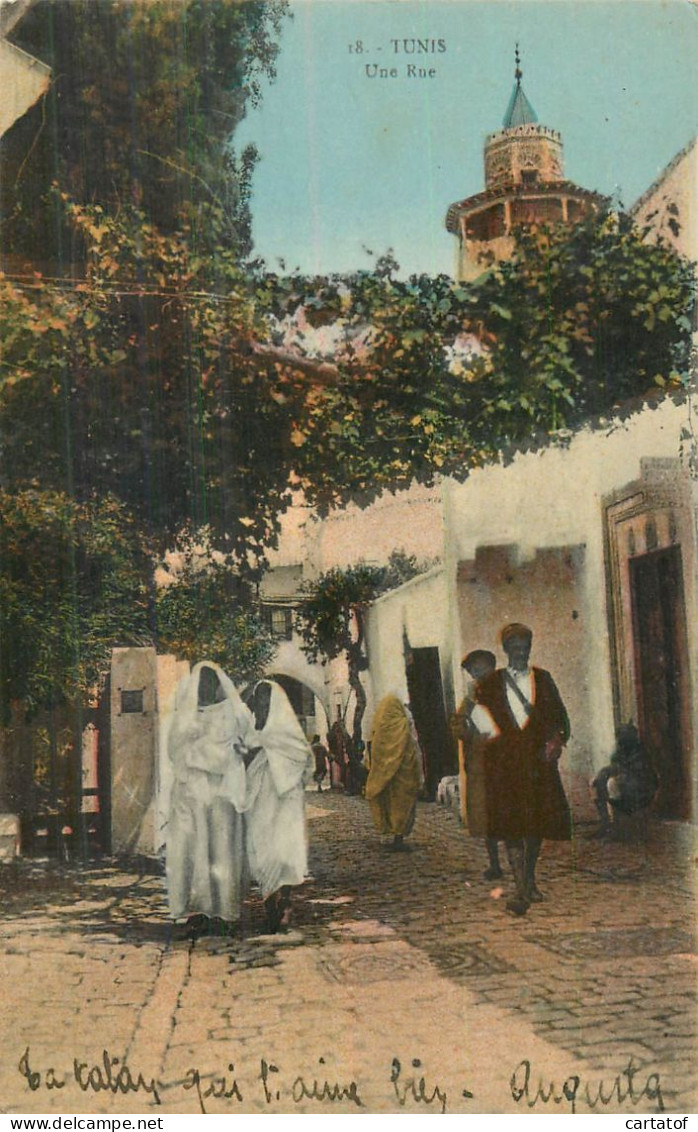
(275, 837)
(212, 730)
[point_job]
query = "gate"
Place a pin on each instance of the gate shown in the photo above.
(55, 781)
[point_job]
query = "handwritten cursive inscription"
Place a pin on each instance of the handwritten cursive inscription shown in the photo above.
(111, 1075)
(301, 1089)
(324, 1091)
(33, 1077)
(622, 1089)
(219, 1088)
(414, 1088)
(409, 1084)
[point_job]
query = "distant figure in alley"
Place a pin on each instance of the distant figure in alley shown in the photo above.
(322, 761)
(211, 733)
(527, 729)
(275, 834)
(395, 776)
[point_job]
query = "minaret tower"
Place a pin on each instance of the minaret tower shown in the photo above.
(524, 184)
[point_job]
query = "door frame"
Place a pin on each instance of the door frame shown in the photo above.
(649, 514)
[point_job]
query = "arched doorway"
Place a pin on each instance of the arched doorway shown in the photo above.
(311, 714)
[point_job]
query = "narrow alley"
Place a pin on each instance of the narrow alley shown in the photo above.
(403, 985)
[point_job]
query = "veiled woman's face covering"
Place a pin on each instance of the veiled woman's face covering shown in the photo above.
(260, 705)
(210, 690)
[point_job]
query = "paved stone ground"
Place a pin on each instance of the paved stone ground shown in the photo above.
(403, 984)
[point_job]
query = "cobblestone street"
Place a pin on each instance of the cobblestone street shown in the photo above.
(403, 984)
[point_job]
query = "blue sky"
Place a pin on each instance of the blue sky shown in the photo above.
(350, 162)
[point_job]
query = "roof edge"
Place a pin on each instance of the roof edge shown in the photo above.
(678, 157)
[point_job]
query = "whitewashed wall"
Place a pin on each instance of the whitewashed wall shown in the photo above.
(418, 610)
(526, 542)
(553, 499)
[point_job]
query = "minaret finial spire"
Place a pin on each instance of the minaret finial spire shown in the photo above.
(519, 111)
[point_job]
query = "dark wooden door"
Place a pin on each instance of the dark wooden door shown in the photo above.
(661, 668)
(429, 713)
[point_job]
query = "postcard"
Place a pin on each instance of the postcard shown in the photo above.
(348, 587)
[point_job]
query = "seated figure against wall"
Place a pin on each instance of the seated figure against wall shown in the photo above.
(627, 784)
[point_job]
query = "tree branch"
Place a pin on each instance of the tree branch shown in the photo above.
(324, 372)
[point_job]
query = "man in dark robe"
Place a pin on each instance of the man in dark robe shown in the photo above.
(527, 730)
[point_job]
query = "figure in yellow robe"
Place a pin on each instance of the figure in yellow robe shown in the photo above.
(395, 776)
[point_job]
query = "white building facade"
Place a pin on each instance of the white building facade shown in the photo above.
(592, 541)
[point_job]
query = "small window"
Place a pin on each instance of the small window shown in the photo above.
(529, 176)
(132, 702)
(280, 621)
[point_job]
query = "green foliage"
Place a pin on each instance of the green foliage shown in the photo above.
(141, 381)
(326, 618)
(330, 619)
(124, 213)
(401, 567)
(155, 377)
(206, 613)
(71, 587)
(583, 320)
(394, 413)
(144, 101)
(134, 373)
(578, 323)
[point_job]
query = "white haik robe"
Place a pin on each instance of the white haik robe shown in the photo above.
(275, 837)
(205, 837)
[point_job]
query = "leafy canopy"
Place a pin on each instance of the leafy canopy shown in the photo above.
(122, 203)
(141, 380)
(326, 617)
(144, 100)
(207, 611)
(448, 377)
(71, 588)
(182, 383)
